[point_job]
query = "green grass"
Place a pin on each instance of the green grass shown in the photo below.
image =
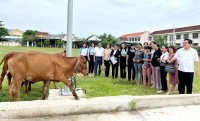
(95, 86)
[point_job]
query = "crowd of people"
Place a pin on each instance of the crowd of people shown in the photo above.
(148, 64)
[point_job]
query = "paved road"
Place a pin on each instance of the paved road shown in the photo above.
(183, 113)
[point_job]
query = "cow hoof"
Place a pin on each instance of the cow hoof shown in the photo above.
(77, 98)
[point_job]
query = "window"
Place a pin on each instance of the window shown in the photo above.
(195, 35)
(186, 36)
(135, 39)
(138, 39)
(178, 36)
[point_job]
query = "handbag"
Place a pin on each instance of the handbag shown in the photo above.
(162, 64)
(170, 68)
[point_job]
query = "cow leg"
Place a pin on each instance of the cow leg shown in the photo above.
(26, 87)
(29, 86)
(67, 82)
(3, 73)
(14, 89)
(45, 88)
(18, 91)
(9, 76)
(10, 92)
(55, 86)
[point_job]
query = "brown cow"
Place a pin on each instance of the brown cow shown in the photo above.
(5, 69)
(27, 66)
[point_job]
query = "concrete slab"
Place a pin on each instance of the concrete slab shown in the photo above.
(54, 94)
(180, 113)
(70, 106)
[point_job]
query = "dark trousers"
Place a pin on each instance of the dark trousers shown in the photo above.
(163, 75)
(123, 67)
(131, 71)
(98, 63)
(91, 64)
(185, 79)
(86, 58)
(115, 70)
(107, 65)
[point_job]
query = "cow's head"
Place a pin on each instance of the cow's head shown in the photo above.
(81, 65)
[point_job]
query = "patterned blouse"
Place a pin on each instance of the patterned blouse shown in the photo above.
(147, 64)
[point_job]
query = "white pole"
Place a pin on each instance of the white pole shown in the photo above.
(69, 39)
(69, 28)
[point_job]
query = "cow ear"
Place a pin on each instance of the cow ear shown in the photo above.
(63, 54)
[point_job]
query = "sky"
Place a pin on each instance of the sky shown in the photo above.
(115, 17)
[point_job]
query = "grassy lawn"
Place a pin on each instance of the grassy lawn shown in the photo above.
(95, 86)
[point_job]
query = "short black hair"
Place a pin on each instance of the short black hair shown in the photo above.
(173, 48)
(108, 44)
(153, 42)
(146, 43)
(189, 40)
(147, 47)
(157, 44)
(139, 44)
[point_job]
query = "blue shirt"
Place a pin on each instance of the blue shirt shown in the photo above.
(91, 50)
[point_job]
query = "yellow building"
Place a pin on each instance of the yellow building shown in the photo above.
(16, 32)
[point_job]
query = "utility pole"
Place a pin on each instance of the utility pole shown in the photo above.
(69, 39)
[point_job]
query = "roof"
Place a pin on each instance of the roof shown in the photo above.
(126, 36)
(42, 33)
(189, 28)
(93, 38)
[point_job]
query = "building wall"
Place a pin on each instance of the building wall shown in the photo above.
(171, 40)
(140, 39)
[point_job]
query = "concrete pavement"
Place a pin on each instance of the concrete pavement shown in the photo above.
(180, 113)
(67, 105)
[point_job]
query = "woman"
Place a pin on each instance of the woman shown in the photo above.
(91, 59)
(156, 67)
(129, 62)
(84, 51)
(163, 60)
(145, 44)
(107, 53)
(173, 77)
(138, 60)
(115, 53)
(123, 61)
(146, 67)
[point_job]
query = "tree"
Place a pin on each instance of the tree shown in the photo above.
(47, 42)
(29, 35)
(160, 40)
(3, 30)
(108, 38)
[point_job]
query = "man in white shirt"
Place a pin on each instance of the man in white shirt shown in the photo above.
(98, 58)
(186, 57)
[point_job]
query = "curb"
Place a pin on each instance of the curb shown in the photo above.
(93, 105)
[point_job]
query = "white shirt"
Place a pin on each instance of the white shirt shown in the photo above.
(164, 57)
(186, 59)
(114, 52)
(99, 51)
(152, 52)
(84, 51)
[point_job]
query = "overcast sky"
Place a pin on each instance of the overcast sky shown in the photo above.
(100, 16)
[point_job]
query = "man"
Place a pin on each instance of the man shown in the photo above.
(98, 58)
(186, 57)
